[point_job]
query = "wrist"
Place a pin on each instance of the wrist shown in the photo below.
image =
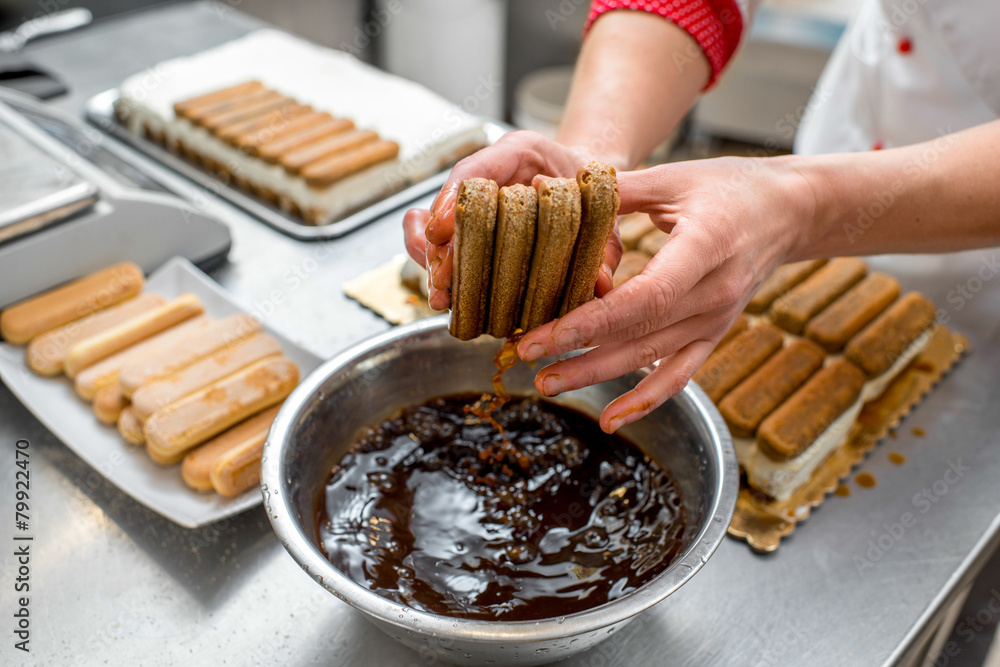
(806, 191)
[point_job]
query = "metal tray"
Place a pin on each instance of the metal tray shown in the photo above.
(100, 111)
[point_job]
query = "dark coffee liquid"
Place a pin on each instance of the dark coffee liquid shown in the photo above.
(441, 511)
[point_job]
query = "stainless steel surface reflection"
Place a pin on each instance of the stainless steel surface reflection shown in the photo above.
(415, 363)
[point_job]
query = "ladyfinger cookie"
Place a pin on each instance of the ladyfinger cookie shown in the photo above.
(251, 108)
(250, 141)
(475, 221)
(73, 301)
(792, 310)
(599, 202)
(91, 350)
(130, 427)
(746, 406)
(811, 410)
(149, 398)
(232, 134)
(182, 108)
(109, 403)
(740, 324)
(883, 341)
(272, 150)
(217, 335)
(653, 242)
(46, 354)
(92, 379)
(631, 264)
(633, 227)
(173, 430)
(517, 210)
(784, 278)
(233, 457)
(324, 173)
(295, 161)
(858, 306)
(555, 239)
(734, 361)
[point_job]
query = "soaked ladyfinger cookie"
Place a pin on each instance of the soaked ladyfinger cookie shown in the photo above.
(792, 310)
(784, 278)
(599, 202)
(517, 210)
(555, 239)
(731, 363)
(475, 222)
(885, 340)
(858, 306)
(810, 411)
(746, 406)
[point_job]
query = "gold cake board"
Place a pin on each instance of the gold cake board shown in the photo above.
(762, 522)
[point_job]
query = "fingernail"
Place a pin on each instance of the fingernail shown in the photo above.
(534, 351)
(552, 385)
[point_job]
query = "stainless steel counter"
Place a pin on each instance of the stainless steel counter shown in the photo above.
(113, 583)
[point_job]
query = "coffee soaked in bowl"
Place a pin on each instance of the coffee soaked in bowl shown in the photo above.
(528, 512)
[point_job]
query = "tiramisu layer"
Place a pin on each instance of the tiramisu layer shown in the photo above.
(312, 130)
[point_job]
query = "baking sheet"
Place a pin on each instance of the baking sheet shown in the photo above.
(53, 401)
(100, 112)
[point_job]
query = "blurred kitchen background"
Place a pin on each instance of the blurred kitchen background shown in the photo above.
(512, 59)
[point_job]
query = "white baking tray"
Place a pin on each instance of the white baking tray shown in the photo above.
(54, 402)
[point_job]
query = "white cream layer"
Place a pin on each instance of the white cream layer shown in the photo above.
(430, 131)
(780, 479)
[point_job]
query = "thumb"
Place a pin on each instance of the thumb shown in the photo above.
(649, 189)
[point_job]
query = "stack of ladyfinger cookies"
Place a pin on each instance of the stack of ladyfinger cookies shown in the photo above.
(184, 385)
(522, 257)
(818, 341)
(287, 140)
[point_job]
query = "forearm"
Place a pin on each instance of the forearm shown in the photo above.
(636, 77)
(940, 195)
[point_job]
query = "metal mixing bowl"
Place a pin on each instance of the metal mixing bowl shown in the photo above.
(414, 363)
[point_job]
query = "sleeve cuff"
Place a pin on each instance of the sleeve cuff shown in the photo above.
(716, 25)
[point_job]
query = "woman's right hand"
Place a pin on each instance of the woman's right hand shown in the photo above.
(517, 157)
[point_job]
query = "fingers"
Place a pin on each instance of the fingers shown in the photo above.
(439, 269)
(441, 225)
(633, 309)
(654, 190)
(414, 224)
(668, 379)
(616, 359)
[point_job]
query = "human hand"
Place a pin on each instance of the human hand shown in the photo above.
(732, 222)
(518, 157)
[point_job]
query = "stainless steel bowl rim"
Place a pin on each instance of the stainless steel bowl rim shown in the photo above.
(281, 514)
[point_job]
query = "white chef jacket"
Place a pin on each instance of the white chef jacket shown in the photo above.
(906, 71)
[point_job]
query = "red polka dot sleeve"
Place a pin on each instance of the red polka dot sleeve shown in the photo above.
(715, 24)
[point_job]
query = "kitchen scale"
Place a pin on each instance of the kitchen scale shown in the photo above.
(71, 205)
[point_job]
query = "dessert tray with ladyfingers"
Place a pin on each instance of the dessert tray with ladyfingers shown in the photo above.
(162, 385)
(310, 140)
